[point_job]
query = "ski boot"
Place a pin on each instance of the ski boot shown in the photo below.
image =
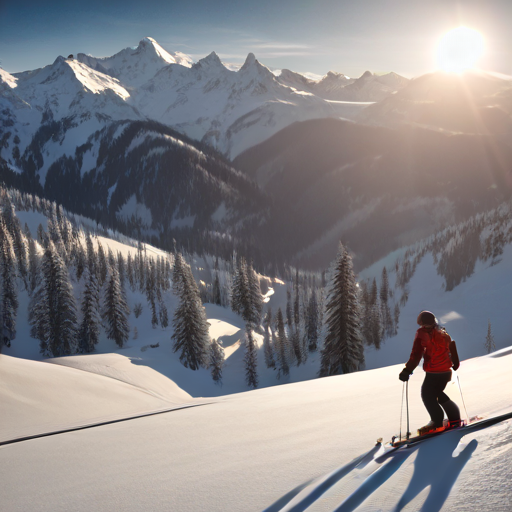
(430, 428)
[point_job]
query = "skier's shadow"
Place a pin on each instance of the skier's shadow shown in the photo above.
(434, 466)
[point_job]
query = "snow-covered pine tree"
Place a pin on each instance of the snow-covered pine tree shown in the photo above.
(121, 267)
(374, 327)
(55, 236)
(190, 335)
(111, 258)
(250, 359)
(289, 314)
(92, 260)
(115, 310)
(80, 259)
(296, 301)
(163, 315)
(296, 345)
(255, 303)
(267, 346)
(216, 361)
(13, 226)
(151, 292)
(52, 310)
(282, 346)
(216, 290)
(33, 266)
(9, 295)
(343, 347)
(387, 319)
(102, 265)
(129, 271)
(89, 332)
(240, 301)
(42, 237)
(490, 346)
(312, 322)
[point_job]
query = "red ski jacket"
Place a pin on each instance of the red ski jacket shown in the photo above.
(438, 350)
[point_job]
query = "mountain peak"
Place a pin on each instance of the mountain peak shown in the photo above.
(366, 75)
(252, 63)
(211, 60)
(250, 60)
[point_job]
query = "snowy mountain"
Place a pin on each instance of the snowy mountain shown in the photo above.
(339, 87)
(375, 188)
(229, 110)
(470, 102)
(145, 179)
(135, 66)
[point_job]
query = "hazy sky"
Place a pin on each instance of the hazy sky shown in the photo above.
(316, 36)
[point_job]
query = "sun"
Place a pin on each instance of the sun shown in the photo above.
(459, 49)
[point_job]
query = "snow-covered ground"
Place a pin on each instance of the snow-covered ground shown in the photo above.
(250, 451)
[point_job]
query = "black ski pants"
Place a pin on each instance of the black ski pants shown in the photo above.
(433, 396)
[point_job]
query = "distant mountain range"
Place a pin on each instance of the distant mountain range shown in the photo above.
(375, 188)
(143, 139)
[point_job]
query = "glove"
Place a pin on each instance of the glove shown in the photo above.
(404, 375)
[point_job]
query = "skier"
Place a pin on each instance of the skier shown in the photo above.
(439, 354)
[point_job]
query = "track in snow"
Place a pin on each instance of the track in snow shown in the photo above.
(100, 424)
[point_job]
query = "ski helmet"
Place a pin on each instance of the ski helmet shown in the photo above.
(426, 319)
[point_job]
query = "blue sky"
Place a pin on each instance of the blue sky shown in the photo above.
(316, 36)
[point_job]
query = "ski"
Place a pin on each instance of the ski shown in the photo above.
(475, 423)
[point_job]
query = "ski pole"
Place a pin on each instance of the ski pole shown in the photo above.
(407, 402)
(462, 396)
(401, 411)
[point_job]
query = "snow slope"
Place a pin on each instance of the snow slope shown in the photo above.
(37, 397)
(257, 450)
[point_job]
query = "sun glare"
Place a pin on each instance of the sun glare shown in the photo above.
(459, 49)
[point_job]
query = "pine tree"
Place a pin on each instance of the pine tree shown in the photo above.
(121, 267)
(387, 320)
(343, 347)
(216, 290)
(9, 296)
(163, 315)
(115, 310)
(13, 226)
(296, 302)
(52, 311)
(396, 319)
(42, 237)
(255, 302)
(102, 266)
(89, 332)
(490, 346)
(80, 259)
(129, 271)
(190, 335)
(375, 330)
(282, 346)
(296, 345)
(267, 346)
(312, 322)
(33, 266)
(250, 359)
(92, 262)
(216, 361)
(240, 301)
(289, 315)
(151, 291)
